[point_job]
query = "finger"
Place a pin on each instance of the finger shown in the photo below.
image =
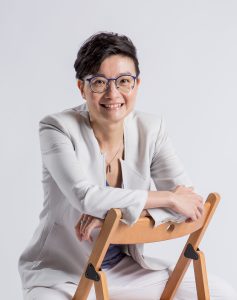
(200, 204)
(199, 198)
(83, 225)
(200, 209)
(83, 222)
(198, 213)
(86, 221)
(95, 223)
(85, 235)
(88, 229)
(78, 225)
(87, 238)
(79, 221)
(78, 234)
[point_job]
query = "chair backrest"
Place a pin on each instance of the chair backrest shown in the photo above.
(114, 231)
(145, 232)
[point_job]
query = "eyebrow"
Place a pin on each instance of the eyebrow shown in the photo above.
(120, 74)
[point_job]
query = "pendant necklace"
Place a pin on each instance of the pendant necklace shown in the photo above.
(108, 167)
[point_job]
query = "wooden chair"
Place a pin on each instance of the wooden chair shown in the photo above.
(114, 231)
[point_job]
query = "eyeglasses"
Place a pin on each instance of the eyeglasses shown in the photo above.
(100, 84)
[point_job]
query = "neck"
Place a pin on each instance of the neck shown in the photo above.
(109, 137)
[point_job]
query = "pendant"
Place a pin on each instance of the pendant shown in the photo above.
(108, 168)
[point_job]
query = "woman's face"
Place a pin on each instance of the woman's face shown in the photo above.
(111, 67)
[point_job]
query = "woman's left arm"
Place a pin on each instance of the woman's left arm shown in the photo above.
(167, 170)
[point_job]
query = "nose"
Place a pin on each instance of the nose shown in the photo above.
(112, 89)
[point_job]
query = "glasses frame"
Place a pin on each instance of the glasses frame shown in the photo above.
(108, 82)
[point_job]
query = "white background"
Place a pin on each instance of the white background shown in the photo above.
(187, 52)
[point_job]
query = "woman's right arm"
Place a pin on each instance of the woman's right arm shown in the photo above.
(59, 158)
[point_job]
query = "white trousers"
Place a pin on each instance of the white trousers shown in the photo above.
(129, 281)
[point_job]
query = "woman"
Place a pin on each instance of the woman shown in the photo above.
(99, 155)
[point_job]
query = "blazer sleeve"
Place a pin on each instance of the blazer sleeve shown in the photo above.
(59, 158)
(167, 172)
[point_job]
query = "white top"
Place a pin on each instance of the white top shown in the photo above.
(74, 173)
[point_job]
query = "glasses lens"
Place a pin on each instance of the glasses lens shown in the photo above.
(98, 84)
(125, 83)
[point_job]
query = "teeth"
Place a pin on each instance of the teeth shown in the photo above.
(113, 105)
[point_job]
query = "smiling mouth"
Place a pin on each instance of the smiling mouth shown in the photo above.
(112, 106)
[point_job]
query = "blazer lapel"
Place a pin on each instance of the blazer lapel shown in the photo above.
(132, 178)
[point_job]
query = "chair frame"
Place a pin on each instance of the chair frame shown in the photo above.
(114, 231)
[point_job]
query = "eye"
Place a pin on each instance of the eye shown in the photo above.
(98, 82)
(125, 80)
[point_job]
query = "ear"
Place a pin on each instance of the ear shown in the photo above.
(81, 85)
(138, 81)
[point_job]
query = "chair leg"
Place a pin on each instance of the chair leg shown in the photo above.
(101, 288)
(201, 277)
(83, 288)
(175, 278)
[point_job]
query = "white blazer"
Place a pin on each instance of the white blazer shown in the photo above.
(74, 176)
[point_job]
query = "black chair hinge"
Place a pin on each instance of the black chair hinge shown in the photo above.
(190, 252)
(91, 273)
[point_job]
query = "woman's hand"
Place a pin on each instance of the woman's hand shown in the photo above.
(186, 202)
(85, 226)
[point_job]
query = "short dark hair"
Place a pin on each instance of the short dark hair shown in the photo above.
(100, 46)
